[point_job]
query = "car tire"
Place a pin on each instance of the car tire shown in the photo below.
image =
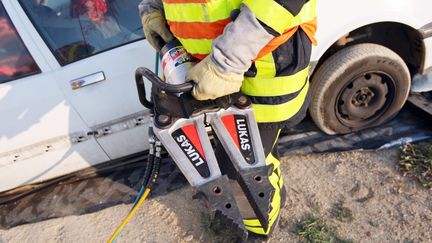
(360, 86)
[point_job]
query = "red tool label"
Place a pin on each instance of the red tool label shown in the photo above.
(238, 128)
(188, 140)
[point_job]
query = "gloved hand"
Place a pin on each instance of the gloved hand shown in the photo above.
(211, 82)
(156, 30)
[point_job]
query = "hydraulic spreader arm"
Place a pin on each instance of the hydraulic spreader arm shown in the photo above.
(180, 124)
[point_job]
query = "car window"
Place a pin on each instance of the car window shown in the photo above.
(76, 29)
(15, 60)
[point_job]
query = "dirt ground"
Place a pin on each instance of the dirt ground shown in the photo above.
(360, 195)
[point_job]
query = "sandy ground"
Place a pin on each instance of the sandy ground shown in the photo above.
(385, 206)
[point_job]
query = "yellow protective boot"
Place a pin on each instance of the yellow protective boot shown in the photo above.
(256, 231)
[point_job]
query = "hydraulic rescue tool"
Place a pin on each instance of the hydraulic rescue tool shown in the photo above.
(184, 126)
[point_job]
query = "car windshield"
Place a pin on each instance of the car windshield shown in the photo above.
(76, 29)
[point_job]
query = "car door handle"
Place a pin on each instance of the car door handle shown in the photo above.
(87, 80)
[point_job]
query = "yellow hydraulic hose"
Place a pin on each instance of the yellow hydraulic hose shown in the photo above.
(129, 216)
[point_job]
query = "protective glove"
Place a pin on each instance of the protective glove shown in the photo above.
(211, 82)
(156, 30)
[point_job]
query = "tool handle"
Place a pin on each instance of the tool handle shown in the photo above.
(141, 88)
(159, 83)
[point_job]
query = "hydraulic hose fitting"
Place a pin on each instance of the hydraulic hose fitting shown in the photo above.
(152, 145)
(152, 140)
(158, 148)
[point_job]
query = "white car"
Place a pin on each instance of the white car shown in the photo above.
(68, 99)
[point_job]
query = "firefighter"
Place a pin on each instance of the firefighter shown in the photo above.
(261, 47)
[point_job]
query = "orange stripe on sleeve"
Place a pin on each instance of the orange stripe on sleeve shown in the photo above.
(199, 56)
(309, 28)
(186, 1)
(276, 42)
(198, 30)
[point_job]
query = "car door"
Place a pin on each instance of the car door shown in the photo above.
(41, 135)
(98, 44)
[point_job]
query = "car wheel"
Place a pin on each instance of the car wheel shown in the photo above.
(360, 86)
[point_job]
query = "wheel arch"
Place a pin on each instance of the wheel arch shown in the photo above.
(403, 39)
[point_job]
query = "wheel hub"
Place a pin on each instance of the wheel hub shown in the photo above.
(364, 98)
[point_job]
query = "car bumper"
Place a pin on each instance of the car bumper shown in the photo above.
(426, 32)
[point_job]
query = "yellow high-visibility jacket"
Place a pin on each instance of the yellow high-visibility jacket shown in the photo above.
(276, 79)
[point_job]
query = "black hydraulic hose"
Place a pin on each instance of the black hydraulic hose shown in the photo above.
(156, 168)
(149, 165)
(148, 170)
(151, 158)
(143, 194)
(146, 177)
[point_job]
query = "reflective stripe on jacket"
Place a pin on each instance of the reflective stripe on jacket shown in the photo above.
(277, 81)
